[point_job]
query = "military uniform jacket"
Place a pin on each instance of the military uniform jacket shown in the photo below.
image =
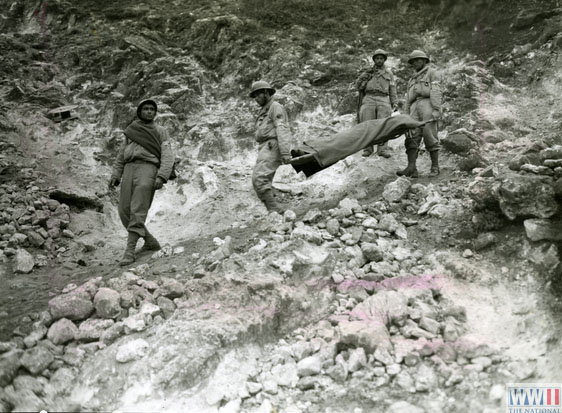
(273, 123)
(425, 84)
(378, 82)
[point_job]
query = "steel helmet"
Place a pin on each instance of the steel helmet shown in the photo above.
(259, 85)
(417, 54)
(380, 52)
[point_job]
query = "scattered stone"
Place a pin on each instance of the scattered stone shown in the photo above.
(396, 190)
(36, 359)
(309, 366)
(333, 226)
(338, 372)
(150, 309)
(107, 303)
(357, 359)
(526, 195)
(270, 386)
(405, 381)
(372, 252)
(132, 350)
(26, 382)
(170, 288)
(285, 374)
(383, 355)
(393, 369)
(37, 334)
(543, 229)
(166, 305)
(135, 323)
(310, 234)
(74, 356)
(289, 216)
(388, 223)
(9, 365)
(404, 407)
(92, 329)
(368, 335)
(253, 388)
(76, 305)
(23, 262)
(306, 383)
(312, 216)
(426, 379)
(458, 142)
(467, 253)
(112, 333)
(484, 240)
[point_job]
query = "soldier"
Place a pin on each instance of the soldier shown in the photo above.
(144, 164)
(377, 97)
(274, 138)
(423, 102)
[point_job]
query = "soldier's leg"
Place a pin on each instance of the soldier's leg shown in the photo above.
(125, 194)
(384, 110)
(430, 138)
(269, 159)
(142, 196)
(412, 142)
(368, 112)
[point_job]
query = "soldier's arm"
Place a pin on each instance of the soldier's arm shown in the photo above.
(167, 156)
(392, 92)
(284, 136)
(435, 95)
(119, 163)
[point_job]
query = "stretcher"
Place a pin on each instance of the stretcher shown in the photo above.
(313, 156)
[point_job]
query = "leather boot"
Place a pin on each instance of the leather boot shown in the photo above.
(150, 243)
(410, 170)
(434, 171)
(129, 255)
(383, 150)
(270, 202)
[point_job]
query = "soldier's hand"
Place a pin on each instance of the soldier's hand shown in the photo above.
(436, 115)
(286, 159)
(113, 182)
(158, 183)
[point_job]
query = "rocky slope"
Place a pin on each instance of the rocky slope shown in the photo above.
(375, 294)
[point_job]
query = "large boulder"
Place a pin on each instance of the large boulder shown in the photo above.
(107, 303)
(76, 305)
(458, 142)
(62, 331)
(525, 196)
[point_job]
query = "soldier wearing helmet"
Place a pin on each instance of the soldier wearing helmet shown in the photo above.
(377, 96)
(274, 138)
(423, 102)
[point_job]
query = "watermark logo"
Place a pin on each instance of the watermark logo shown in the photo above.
(533, 397)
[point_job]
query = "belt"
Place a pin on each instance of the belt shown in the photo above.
(377, 93)
(141, 162)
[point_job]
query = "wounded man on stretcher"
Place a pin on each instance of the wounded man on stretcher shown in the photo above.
(311, 157)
